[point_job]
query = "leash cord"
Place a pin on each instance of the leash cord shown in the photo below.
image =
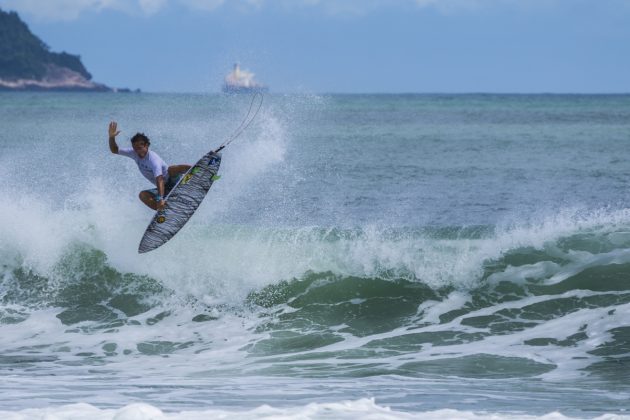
(245, 123)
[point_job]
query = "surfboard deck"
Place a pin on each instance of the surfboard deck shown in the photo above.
(181, 202)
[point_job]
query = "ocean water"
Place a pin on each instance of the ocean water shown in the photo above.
(362, 256)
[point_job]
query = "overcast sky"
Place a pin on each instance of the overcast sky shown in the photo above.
(328, 46)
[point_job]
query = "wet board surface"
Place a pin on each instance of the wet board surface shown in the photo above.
(181, 202)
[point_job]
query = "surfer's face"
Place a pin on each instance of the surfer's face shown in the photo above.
(141, 148)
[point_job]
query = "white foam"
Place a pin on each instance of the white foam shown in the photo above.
(364, 409)
(206, 259)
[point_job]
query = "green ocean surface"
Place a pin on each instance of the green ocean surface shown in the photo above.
(462, 252)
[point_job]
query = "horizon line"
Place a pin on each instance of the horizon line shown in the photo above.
(436, 93)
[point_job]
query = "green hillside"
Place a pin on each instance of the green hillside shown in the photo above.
(25, 56)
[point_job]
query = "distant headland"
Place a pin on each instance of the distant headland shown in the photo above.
(27, 64)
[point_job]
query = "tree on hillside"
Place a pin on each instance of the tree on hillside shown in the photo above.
(25, 56)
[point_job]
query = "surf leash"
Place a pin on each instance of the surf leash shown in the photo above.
(245, 123)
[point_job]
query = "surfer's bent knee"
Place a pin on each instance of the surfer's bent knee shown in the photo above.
(175, 170)
(145, 196)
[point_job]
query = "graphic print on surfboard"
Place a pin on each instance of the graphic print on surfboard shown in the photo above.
(181, 202)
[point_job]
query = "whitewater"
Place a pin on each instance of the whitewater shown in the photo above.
(362, 256)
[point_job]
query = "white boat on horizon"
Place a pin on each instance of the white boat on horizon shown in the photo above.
(241, 81)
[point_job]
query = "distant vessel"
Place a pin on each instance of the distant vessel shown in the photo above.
(241, 81)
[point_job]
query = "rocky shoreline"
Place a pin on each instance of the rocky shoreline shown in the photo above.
(58, 79)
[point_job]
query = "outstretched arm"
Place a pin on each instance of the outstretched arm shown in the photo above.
(113, 132)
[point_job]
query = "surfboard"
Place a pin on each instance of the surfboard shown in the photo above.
(181, 202)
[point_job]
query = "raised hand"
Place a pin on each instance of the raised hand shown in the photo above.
(113, 129)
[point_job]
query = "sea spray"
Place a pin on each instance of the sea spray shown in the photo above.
(401, 247)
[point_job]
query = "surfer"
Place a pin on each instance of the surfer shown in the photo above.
(151, 165)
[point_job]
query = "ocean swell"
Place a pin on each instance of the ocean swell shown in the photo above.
(548, 299)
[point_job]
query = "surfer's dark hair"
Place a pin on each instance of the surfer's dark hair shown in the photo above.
(140, 137)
